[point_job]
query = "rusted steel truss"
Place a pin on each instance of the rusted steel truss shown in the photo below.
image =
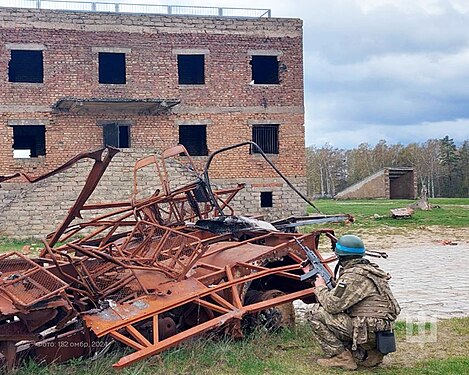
(143, 272)
(216, 287)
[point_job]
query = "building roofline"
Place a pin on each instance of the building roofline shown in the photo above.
(137, 8)
(32, 18)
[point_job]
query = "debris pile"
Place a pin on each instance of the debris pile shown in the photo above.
(150, 272)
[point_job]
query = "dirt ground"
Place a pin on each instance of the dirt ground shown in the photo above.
(385, 239)
(425, 265)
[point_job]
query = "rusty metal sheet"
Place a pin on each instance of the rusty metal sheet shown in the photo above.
(227, 252)
(116, 316)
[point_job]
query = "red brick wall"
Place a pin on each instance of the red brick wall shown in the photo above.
(226, 100)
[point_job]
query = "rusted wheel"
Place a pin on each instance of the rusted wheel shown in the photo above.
(273, 318)
(286, 311)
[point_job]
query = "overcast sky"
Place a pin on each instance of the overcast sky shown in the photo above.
(378, 69)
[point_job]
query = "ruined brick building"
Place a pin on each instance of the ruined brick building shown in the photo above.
(74, 81)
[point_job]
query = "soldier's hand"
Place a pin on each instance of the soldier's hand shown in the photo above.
(319, 281)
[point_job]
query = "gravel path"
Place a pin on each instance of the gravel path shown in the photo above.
(430, 281)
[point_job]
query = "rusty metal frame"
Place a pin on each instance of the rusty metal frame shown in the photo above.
(174, 204)
(145, 348)
(125, 269)
(25, 282)
(230, 309)
(220, 292)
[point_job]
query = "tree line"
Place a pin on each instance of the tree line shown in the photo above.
(440, 166)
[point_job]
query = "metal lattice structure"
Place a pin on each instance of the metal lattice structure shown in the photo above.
(150, 272)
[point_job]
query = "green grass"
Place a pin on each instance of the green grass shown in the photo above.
(460, 326)
(287, 352)
(9, 244)
(260, 353)
(451, 366)
(374, 213)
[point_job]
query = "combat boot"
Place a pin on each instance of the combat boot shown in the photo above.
(343, 360)
(374, 358)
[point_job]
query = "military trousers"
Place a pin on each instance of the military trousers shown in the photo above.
(333, 332)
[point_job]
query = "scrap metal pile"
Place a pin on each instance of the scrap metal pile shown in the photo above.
(150, 272)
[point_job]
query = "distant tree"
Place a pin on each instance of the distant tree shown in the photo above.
(449, 158)
(395, 156)
(380, 155)
(431, 170)
(312, 171)
(359, 163)
(463, 170)
(438, 164)
(424, 159)
(326, 170)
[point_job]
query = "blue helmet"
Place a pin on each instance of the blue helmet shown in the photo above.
(349, 245)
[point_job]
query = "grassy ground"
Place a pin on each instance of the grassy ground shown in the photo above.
(9, 244)
(287, 352)
(450, 217)
(451, 212)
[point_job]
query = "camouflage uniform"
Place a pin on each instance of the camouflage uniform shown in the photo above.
(349, 315)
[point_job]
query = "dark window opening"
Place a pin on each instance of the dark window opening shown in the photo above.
(112, 68)
(266, 199)
(26, 66)
(29, 141)
(191, 69)
(265, 70)
(266, 137)
(194, 139)
(116, 135)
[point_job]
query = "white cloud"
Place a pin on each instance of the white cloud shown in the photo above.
(461, 6)
(387, 69)
(427, 6)
(351, 135)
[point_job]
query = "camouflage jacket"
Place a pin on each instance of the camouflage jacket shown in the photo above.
(362, 292)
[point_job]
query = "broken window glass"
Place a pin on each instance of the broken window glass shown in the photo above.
(26, 66)
(191, 69)
(194, 139)
(116, 135)
(266, 137)
(266, 199)
(265, 70)
(29, 141)
(112, 68)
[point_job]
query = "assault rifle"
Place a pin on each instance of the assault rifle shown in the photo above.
(317, 268)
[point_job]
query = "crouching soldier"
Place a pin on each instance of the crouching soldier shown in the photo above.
(353, 322)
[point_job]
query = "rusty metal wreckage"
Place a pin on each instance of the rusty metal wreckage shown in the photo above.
(150, 272)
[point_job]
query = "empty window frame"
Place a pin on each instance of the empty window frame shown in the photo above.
(191, 69)
(112, 68)
(266, 199)
(265, 70)
(29, 141)
(266, 137)
(26, 66)
(194, 139)
(116, 135)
